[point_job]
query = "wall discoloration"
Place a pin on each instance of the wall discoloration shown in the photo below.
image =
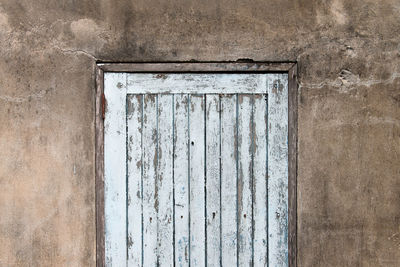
(349, 115)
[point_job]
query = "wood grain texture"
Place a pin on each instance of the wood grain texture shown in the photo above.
(115, 169)
(165, 181)
(99, 171)
(260, 195)
(250, 67)
(196, 83)
(197, 180)
(278, 170)
(228, 180)
(181, 179)
(213, 205)
(245, 180)
(150, 176)
(135, 204)
(292, 165)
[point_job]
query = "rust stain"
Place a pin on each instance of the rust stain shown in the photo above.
(240, 193)
(185, 100)
(151, 97)
(156, 203)
(192, 105)
(154, 136)
(254, 136)
(280, 88)
(236, 143)
(241, 99)
(139, 164)
(274, 89)
(130, 108)
(103, 106)
(160, 154)
(277, 87)
(161, 76)
(130, 241)
(213, 102)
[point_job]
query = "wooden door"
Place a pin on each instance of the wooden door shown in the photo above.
(196, 169)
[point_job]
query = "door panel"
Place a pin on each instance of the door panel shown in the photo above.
(193, 188)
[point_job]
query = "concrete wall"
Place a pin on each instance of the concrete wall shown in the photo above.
(349, 113)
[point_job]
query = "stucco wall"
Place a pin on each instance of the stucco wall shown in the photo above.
(348, 52)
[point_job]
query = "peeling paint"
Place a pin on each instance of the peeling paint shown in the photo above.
(347, 131)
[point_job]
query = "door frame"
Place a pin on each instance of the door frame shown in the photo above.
(289, 68)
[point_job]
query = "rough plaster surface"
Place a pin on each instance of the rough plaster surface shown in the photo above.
(349, 113)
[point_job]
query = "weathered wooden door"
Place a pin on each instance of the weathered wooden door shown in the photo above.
(196, 169)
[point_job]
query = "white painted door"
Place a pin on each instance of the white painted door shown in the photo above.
(196, 169)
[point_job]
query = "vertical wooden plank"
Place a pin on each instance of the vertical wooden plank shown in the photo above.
(292, 87)
(213, 204)
(228, 181)
(245, 182)
(134, 120)
(197, 181)
(115, 169)
(260, 181)
(278, 169)
(100, 253)
(150, 190)
(181, 186)
(164, 181)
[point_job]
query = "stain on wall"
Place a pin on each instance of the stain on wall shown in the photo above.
(348, 54)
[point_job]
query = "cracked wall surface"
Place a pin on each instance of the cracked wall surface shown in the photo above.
(348, 53)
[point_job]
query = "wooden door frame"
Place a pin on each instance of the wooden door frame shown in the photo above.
(202, 67)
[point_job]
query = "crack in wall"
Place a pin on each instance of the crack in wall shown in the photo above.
(75, 51)
(347, 79)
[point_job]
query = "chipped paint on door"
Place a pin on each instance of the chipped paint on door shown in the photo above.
(196, 170)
